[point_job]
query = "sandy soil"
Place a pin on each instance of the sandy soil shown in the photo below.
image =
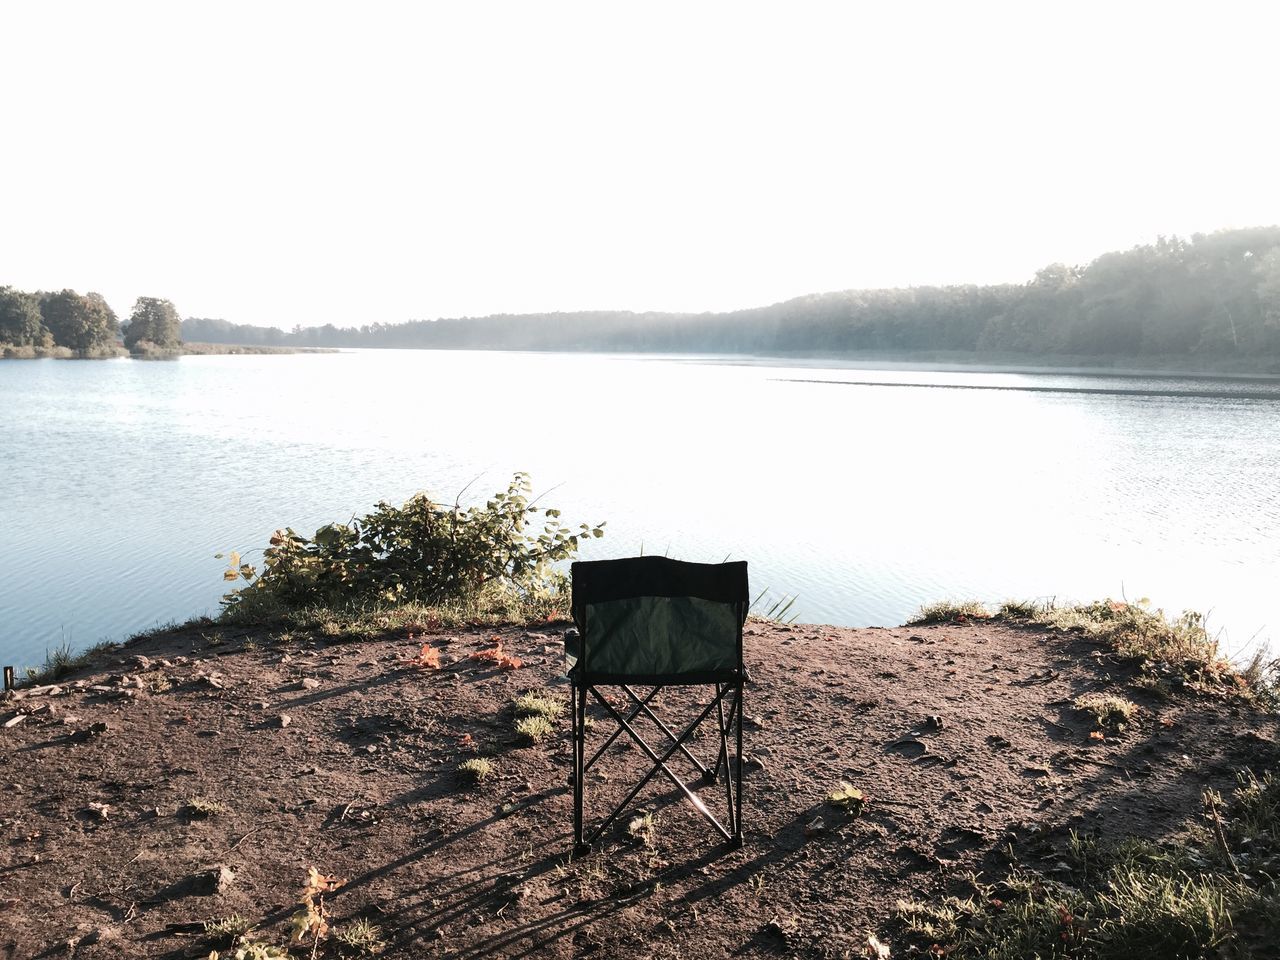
(359, 781)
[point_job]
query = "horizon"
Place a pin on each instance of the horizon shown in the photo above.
(295, 167)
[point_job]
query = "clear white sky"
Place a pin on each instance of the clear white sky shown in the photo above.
(285, 163)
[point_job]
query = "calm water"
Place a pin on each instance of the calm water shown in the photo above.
(119, 480)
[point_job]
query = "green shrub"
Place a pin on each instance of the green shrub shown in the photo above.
(422, 552)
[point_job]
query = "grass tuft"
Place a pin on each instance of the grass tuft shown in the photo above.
(362, 937)
(202, 808)
(641, 828)
(533, 729)
(475, 771)
(537, 704)
(227, 930)
(950, 611)
(1107, 709)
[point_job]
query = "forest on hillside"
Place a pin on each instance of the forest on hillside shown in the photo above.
(1213, 295)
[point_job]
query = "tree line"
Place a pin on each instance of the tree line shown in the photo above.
(67, 323)
(1212, 295)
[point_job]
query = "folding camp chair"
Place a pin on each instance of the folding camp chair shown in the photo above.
(654, 622)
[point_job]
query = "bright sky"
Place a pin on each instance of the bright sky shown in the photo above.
(306, 163)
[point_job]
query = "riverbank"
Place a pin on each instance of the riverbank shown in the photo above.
(178, 789)
(149, 352)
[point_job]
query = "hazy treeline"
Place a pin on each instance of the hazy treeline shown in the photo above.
(1215, 295)
(1212, 295)
(67, 323)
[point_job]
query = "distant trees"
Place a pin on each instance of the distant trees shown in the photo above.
(1214, 295)
(21, 324)
(67, 323)
(80, 322)
(153, 321)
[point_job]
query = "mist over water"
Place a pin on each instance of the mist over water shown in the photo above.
(119, 480)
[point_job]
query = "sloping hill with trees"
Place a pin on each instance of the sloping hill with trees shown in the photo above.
(1212, 296)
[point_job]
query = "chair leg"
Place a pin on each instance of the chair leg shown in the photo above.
(723, 756)
(579, 772)
(737, 824)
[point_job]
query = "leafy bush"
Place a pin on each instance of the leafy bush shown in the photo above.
(422, 552)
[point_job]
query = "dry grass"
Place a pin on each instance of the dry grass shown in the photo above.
(475, 771)
(1107, 709)
(1133, 900)
(950, 611)
(533, 729)
(538, 704)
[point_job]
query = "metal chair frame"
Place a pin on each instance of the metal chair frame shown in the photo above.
(726, 704)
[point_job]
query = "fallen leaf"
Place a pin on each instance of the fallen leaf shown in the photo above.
(428, 657)
(848, 798)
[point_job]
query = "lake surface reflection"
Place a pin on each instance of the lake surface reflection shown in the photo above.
(864, 491)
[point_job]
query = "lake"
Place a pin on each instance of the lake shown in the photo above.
(864, 491)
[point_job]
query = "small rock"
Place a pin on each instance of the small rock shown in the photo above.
(99, 935)
(814, 827)
(933, 722)
(141, 662)
(99, 727)
(98, 811)
(309, 683)
(285, 720)
(224, 877)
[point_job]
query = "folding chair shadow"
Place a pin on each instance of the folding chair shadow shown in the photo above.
(652, 622)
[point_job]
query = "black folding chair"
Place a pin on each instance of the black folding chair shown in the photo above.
(651, 622)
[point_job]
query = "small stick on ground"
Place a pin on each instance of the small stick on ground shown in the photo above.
(243, 839)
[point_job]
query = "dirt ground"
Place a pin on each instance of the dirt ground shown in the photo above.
(200, 773)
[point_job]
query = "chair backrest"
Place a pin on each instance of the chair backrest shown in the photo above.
(656, 620)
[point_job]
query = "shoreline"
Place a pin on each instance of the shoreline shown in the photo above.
(1265, 370)
(185, 350)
